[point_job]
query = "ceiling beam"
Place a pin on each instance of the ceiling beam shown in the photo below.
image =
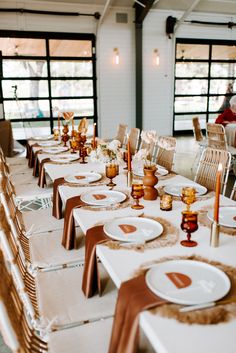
(186, 14)
(104, 12)
(141, 11)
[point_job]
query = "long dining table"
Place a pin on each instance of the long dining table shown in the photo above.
(166, 335)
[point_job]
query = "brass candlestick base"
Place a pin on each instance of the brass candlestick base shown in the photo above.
(215, 234)
(129, 179)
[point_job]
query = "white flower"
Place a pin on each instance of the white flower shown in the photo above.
(106, 153)
(114, 145)
(149, 136)
(164, 143)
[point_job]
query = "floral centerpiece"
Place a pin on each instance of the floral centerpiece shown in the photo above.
(107, 153)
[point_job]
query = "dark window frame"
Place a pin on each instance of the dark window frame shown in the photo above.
(209, 78)
(47, 36)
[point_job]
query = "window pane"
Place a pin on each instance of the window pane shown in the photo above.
(71, 68)
(184, 69)
(76, 48)
(25, 88)
(67, 88)
(22, 46)
(223, 69)
(24, 68)
(223, 52)
(184, 122)
(191, 86)
(31, 128)
(212, 117)
(192, 51)
(218, 103)
(190, 104)
(221, 86)
(26, 109)
(81, 107)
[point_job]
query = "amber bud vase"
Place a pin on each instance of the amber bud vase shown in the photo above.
(149, 182)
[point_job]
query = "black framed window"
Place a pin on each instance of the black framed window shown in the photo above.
(205, 80)
(43, 72)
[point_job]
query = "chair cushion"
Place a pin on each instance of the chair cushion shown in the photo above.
(41, 220)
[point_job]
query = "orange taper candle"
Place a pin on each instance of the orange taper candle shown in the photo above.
(129, 155)
(217, 193)
(94, 135)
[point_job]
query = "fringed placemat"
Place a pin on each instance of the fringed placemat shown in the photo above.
(205, 221)
(102, 182)
(209, 316)
(208, 196)
(169, 237)
(160, 177)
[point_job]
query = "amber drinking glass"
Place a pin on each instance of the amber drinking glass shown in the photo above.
(112, 170)
(83, 154)
(137, 193)
(166, 202)
(188, 196)
(189, 225)
(73, 145)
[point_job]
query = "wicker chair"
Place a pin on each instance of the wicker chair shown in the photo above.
(208, 166)
(121, 133)
(134, 139)
(166, 152)
(216, 137)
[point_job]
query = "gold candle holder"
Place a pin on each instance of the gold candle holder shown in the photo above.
(215, 234)
(166, 202)
(129, 179)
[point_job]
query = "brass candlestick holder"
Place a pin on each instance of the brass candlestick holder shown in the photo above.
(215, 234)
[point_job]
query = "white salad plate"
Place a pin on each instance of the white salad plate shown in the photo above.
(160, 171)
(188, 282)
(55, 150)
(42, 138)
(133, 229)
(83, 178)
(66, 158)
(103, 197)
(176, 189)
(227, 216)
(49, 143)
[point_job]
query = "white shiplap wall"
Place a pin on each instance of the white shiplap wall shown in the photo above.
(116, 84)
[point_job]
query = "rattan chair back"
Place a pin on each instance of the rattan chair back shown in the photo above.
(121, 133)
(216, 137)
(208, 166)
(197, 131)
(166, 152)
(134, 139)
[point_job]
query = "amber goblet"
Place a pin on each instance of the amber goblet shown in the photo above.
(188, 196)
(83, 154)
(137, 193)
(189, 225)
(73, 145)
(112, 170)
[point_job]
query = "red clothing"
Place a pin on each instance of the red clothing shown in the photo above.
(225, 117)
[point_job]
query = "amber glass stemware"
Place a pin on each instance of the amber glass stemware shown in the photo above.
(112, 170)
(188, 196)
(137, 193)
(189, 225)
(83, 154)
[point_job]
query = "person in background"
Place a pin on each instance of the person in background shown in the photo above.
(229, 115)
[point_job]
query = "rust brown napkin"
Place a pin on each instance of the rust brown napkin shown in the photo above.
(31, 155)
(42, 175)
(91, 280)
(68, 239)
(134, 297)
(57, 202)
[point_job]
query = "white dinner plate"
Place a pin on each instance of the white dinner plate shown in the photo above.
(103, 197)
(176, 189)
(227, 216)
(188, 282)
(83, 178)
(66, 158)
(160, 171)
(49, 143)
(42, 138)
(56, 149)
(133, 229)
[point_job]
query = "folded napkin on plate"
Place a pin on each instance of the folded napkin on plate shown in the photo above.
(42, 176)
(31, 154)
(68, 239)
(134, 297)
(57, 202)
(91, 280)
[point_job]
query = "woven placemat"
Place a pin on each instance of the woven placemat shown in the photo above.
(169, 237)
(160, 177)
(208, 196)
(209, 316)
(204, 221)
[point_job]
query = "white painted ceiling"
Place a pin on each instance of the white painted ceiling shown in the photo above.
(212, 6)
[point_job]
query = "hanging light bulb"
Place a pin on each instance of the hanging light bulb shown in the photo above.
(117, 56)
(156, 57)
